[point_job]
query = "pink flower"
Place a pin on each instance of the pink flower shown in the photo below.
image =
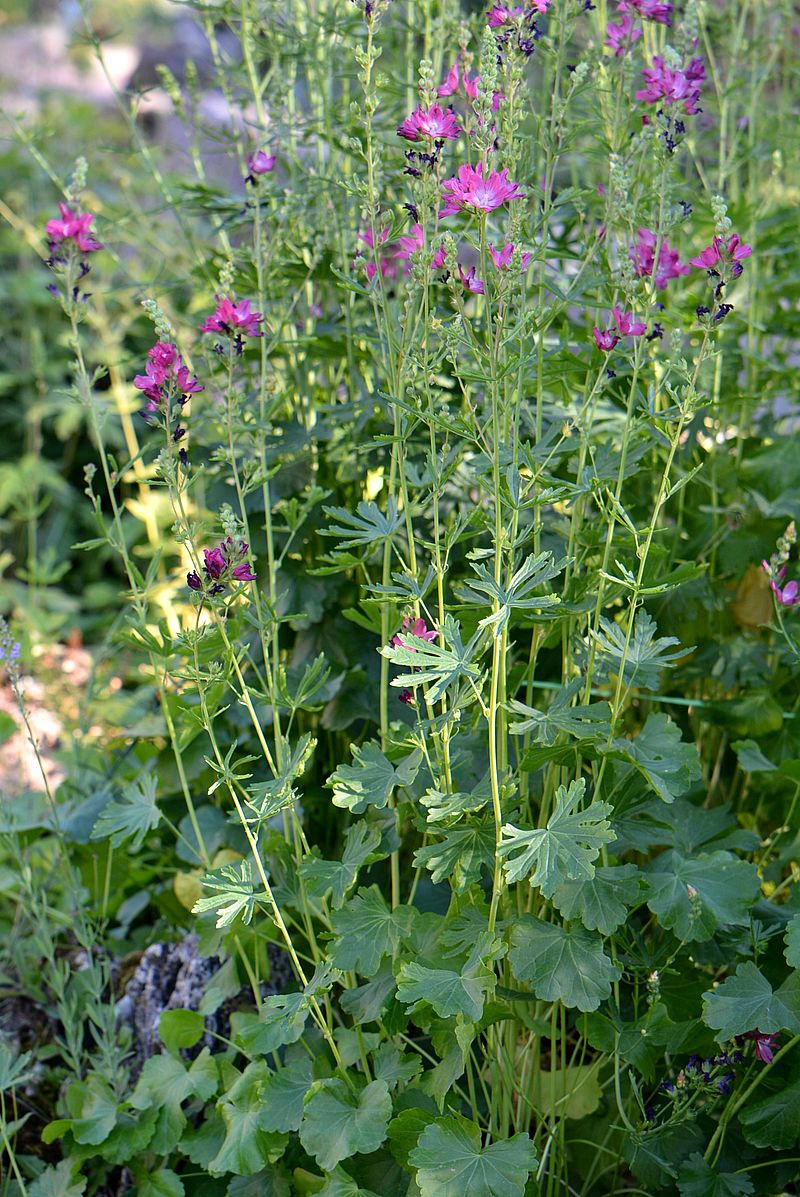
(163, 364)
(471, 86)
(73, 226)
(469, 189)
(541, 5)
(733, 252)
(628, 327)
(418, 628)
(765, 1044)
(670, 86)
(621, 36)
(436, 123)
(787, 595)
(450, 85)
(233, 318)
(439, 258)
(642, 255)
(651, 10)
(410, 245)
(261, 163)
(469, 282)
(388, 267)
(605, 339)
(501, 257)
(500, 15)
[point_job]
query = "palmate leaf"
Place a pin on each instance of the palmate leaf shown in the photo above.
(588, 722)
(443, 664)
(132, 818)
(669, 766)
(337, 876)
(372, 779)
(367, 527)
(564, 849)
(447, 991)
(698, 1179)
(267, 798)
(451, 1162)
(792, 940)
(459, 856)
(561, 964)
(774, 1121)
(646, 655)
(747, 1002)
(602, 902)
(534, 571)
(234, 893)
(248, 1146)
(693, 897)
(281, 1021)
(366, 930)
(59, 1181)
(338, 1124)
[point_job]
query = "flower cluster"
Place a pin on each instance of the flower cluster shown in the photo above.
(225, 563)
(621, 34)
(606, 339)
(165, 377)
(787, 595)
(673, 85)
(642, 254)
(469, 188)
(434, 123)
(74, 227)
(520, 20)
(235, 320)
(650, 10)
(723, 251)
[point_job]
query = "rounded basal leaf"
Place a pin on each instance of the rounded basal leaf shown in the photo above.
(693, 897)
(601, 902)
(774, 1121)
(450, 1162)
(562, 964)
(338, 1123)
(180, 1028)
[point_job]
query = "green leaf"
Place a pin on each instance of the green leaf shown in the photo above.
(366, 930)
(654, 1155)
(132, 818)
(565, 849)
(746, 1002)
(533, 572)
(282, 1095)
(459, 856)
(602, 902)
(582, 722)
(342, 1185)
(450, 1162)
(751, 758)
(645, 658)
(561, 964)
(395, 1067)
(180, 1028)
(165, 1083)
(695, 897)
(234, 893)
(448, 991)
(338, 1124)
(373, 778)
(336, 877)
(792, 941)
(443, 664)
(93, 1108)
(571, 1092)
(669, 766)
(698, 1179)
(163, 1183)
(774, 1121)
(281, 1021)
(368, 526)
(58, 1181)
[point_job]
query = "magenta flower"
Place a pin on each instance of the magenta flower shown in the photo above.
(387, 266)
(469, 189)
(406, 696)
(437, 124)
(165, 376)
(500, 15)
(621, 35)
(439, 258)
(411, 245)
(541, 5)
(651, 10)
(605, 339)
(471, 86)
(501, 257)
(731, 252)
(469, 282)
(418, 628)
(668, 86)
(226, 562)
(233, 318)
(261, 163)
(642, 254)
(73, 226)
(627, 326)
(787, 595)
(450, 85)
(765, 1044)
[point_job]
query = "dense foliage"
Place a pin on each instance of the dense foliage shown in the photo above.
(414, 451)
